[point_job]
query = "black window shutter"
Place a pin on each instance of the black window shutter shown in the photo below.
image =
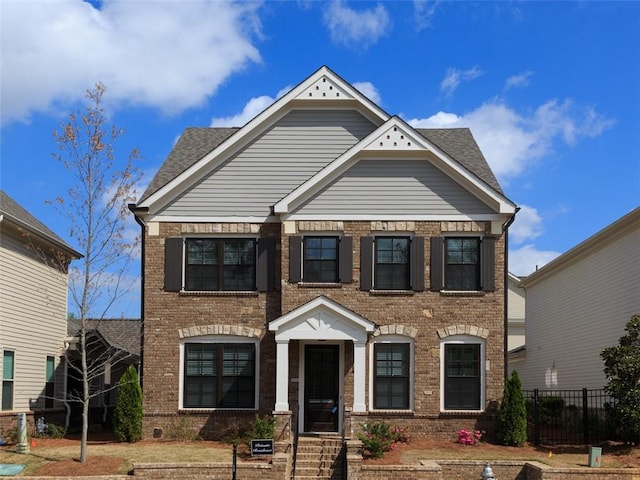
(266, 271)
(436, 275)
(173, 255)
(345, 253)
(417, 264)
(295, 259)
(366, 256)
(488, 264)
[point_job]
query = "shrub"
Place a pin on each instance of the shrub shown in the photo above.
(622, 369)
(467, 437)
(262, 428)
(182, 429)
(54, 431)
(378, 438)
(513, 414)
(127, 416)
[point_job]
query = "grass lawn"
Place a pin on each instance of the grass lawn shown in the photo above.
(59, 456)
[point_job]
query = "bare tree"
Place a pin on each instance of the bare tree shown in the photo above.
(96, 207)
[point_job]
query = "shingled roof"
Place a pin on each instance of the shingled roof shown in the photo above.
(15, 213)
(121, 333)
(195, 143)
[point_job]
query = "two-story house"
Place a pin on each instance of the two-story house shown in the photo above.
(326, 262)
(33, 314)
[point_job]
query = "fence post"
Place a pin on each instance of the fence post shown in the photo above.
(585, 416)
(536, 417)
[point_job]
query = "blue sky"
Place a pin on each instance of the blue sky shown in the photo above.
(550, 90)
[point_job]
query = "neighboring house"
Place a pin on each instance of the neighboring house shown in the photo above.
(112, 345)
(33, 312)
(326, 262)
(579, 304)
(515, 320)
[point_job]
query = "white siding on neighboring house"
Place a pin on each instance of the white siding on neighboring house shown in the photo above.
(284, 156)
(578, 305)
(394, 186)
(516, 313)
(33, 309)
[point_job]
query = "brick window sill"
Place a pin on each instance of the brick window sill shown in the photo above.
(319, 285)
(221, 293)
(405, 293)
(462, 293)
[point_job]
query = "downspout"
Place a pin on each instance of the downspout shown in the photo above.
(505, 229)
(65, 400)
(133, 209)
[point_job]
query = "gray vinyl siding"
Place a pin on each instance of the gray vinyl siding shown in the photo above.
(33, 306)
(393, 187)
(572, 315)
(275, 163)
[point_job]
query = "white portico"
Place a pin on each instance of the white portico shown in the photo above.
(321, 324)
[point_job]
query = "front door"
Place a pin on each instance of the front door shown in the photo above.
(321, 388)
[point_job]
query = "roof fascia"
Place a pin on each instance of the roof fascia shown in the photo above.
(313, 92)
(42, 237)
(395, 136)
(620, 227)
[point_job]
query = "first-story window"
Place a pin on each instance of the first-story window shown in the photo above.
(391, 376)
(219, 375)
(220, 264)
(8, 368)
(463, 374)
(49, 386)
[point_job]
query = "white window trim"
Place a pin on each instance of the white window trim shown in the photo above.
(464, 340)
(392, 339)
(12, 379)
(218, 339)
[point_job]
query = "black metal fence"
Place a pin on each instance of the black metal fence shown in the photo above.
(567, 417)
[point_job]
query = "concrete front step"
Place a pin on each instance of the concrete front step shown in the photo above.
(319, 458)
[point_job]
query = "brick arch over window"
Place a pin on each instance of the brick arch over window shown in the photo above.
(236, 330)
(396, 330)
(472, 330)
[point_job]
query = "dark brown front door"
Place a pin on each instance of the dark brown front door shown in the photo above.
(321, 388)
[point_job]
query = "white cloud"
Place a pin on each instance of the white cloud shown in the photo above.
(512, 142)
(527, 226)
(54, 52)
(521, 80)
(525, 260)
(369, 90)
(454, 77)
(356, 28)
(423, 12)
(254, 107)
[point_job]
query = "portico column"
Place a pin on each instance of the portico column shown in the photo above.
(359, 366)
(282, 375)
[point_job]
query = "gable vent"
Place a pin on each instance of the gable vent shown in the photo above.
(324, 88)
(395, 138)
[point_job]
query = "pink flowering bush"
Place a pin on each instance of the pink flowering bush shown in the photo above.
(467, 437)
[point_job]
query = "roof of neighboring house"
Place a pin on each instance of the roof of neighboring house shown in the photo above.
(12, 212)
(121, 333)
(629, 221)
(195, 143)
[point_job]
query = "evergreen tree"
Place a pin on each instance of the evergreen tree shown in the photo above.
(513, 414)
(622, 369)
(127, 417)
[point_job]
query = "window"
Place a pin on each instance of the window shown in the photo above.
(462, 263)
(320, 259)
(391, 373)
(392, 263)
(8, 367)
(49, 388)
(462, 376)
(219, 264)
(219, 375)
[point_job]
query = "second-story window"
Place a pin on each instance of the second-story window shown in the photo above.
(462, 263)
(320, 259)
(392, 263)
(220, 264)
